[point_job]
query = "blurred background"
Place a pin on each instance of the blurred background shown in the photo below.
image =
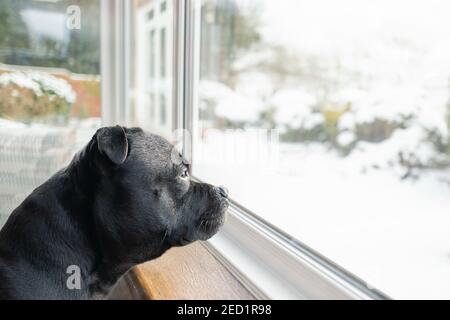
(49, 91)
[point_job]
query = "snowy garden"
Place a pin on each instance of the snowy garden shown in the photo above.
(363, 114)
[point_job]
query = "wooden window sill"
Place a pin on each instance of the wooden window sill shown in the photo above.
(189, 272)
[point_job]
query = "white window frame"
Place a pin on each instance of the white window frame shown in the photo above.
(268, 261)
(114, 60)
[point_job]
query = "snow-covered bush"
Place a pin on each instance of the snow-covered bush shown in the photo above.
(30, 95)
(296, 116)
(218, 101)
(404, 130)
(293, 107)
(405, 152)
(400, 129)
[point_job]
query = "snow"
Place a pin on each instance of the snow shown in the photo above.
(228, 103)
(212, 90)
(412, 143)
(8, 124)
(291, 106)
(252, 58)
(394, 104)
(313, 120)
(392, 233)
(346, 138)
(22, 80)
(347, 122)
(255, 85)
(58, 86)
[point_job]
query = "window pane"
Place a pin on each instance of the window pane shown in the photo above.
(152, 107)
(49, 90)
(329, 119)
(151, 99)
(163, 6)
(152, 54)
(163, 53)
(162, 111)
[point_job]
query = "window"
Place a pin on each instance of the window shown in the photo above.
(163, 53)
(152, 107)
(332, 125)
(152, 54)
(151, 101)
(162, 109)
(49, 92)
(150, 15)
(163, 6)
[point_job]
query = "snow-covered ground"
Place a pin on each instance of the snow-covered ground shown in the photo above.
(394, 234)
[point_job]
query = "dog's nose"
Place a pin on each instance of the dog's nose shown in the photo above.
(223, 191)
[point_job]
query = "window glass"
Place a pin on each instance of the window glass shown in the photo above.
(329, 119)
(151, 51)
(163, 6)
(163, 53)
(162, 112)
(151, 98)
(49, 90)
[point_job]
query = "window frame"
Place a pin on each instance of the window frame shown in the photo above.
(114, 60)
(267, 261)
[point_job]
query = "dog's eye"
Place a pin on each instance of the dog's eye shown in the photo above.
(185, 174)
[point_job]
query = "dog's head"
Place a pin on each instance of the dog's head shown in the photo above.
(146, 199)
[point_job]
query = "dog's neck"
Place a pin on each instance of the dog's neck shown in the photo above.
(85, 178)
(81, 174)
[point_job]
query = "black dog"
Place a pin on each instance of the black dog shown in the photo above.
(124, 199)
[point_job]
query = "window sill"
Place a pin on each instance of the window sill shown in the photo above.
(274, 265)
(190, 272)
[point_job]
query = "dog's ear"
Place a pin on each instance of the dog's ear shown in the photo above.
(112, 142)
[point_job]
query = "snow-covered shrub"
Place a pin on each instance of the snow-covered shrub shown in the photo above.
(310, 130)
(292, 107)
(405, 152)
(404, 131)
(221, 103)
(29, 95)
(296, 115)
(346, 138)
